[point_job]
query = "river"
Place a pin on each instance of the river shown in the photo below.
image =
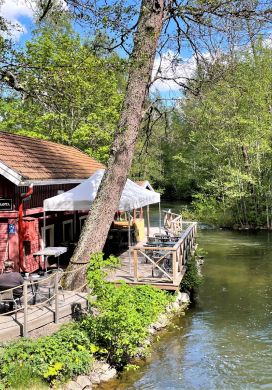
(225, 339)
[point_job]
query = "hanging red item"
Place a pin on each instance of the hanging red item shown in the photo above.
(29, 229)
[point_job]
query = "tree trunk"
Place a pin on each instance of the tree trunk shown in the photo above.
(97, 225)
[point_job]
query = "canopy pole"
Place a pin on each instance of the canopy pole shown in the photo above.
(43, 234)
(160, 217)
(148, 221)
(129, 241)
(43, 231)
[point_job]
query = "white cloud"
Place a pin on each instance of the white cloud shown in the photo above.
(267, 42)
(173, 69)
(12, 11)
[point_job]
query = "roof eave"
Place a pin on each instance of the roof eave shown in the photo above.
(49, 182)
(10, 174)
(17, 179)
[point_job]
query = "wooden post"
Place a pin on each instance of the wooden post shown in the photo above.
(135, 257)
(175, 268)
(178, 259)
(56, 283)
(25, 331)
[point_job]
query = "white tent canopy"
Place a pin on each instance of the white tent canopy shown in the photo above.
(82, 196)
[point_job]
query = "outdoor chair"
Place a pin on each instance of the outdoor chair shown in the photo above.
(164, 262)
(14, 303)
(50, 284)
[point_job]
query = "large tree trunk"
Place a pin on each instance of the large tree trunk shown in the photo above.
(97, 225)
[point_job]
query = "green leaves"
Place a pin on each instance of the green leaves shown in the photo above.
(73, 95)
(115, 333)
(229, 127)
(125, 313)
(53, 358)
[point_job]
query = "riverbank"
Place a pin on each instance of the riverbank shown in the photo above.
(224, 340)
(119, 322)
(53, 359)
(103, 372)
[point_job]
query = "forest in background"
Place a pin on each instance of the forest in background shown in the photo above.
(213, 147)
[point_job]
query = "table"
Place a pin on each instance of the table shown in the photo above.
(160, 244)
(33, 282)
(55, 251)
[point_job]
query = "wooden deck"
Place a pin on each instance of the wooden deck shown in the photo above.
(146, 272)
(39, 316)
(165, 271)
(161, 265)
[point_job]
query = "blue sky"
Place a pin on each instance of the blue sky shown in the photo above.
(21, 13)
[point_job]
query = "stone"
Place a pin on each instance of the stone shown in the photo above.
(161, 323)
(151, 329)
(100, 366)
(72, 385)
(178, 297)
(175, 306)
(104, 367)
(109, 374)
(95, 378)
(83, 381)
(184, 298)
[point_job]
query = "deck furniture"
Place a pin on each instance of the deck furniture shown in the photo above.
(50, 284)
(55, 251)
(7, 297)
(34, 281)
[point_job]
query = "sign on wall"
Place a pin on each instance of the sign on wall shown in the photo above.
(6, 204)
(11, 228)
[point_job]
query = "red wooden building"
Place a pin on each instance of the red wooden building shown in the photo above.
(52, 168)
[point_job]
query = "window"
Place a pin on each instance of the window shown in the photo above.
(48, 236)
(82, 221)
(67, 230)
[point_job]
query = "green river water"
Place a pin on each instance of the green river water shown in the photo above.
(225, 339)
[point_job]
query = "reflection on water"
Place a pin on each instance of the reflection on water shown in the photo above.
(225, 341)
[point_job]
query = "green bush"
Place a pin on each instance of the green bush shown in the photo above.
(52, 358)
(192, 279)
(22, 378)
(125, 314)
(115, 334)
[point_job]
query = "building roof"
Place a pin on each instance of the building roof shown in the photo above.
(25, 160)
(145, 184)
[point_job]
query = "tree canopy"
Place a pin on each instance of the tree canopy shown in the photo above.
(70, 94)
(145, 31)
(229, 136)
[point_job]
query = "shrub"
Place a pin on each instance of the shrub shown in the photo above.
(52, 358)
(115, 334)
(125, 313)
(192, 279)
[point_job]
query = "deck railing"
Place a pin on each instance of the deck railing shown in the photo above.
(167, 259)
(34, 297)
(172, 222)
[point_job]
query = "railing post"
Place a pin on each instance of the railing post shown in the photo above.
(25, 330)
(135, 258)
(56, 283)
(175, 268)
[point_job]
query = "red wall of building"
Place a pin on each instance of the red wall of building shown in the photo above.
(9, 243)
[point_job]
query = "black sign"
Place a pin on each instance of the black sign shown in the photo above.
(5, 204)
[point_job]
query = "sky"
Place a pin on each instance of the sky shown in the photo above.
(21, 14)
